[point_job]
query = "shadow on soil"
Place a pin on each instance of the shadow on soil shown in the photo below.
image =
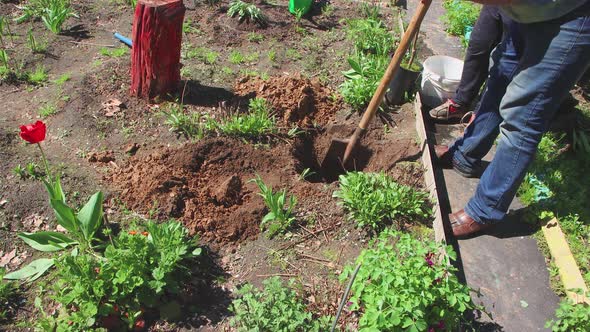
(201, 95)
(205, 300)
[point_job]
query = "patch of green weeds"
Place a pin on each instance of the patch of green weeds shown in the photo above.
(557, 185)
(375, 200)
(328, 9)
(255, 37)
(272, 55)
(362, 79)
(280, 216)
(53, 13)
(237, 58)
(7, 292)
(189, 124)
(369, 10)
(246, 12)
(405, 284)
(114, 52)
(227, 71)
(258, 122)
(372, 45)
(31, 170)
(188, 27)
(37, 77)
(47, 110)
(277, 307)
(203, 54)
(62, 79)
(460, 15)
(253, 73)
(97, 63)
(370, 36)
(293, 54)
(571, 317)
(34, 45)
(137, 270)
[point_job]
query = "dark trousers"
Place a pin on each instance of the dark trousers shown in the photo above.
(486, 35)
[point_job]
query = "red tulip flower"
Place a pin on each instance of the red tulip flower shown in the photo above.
(34, 132)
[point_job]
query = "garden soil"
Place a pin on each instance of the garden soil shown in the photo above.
(295, 99)
(207, 184)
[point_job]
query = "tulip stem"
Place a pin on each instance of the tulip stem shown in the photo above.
(45, 163)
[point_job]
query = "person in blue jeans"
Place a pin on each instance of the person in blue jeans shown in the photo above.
(531, 75)
(486, 35)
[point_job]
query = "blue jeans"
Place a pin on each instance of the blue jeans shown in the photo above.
(524, 90)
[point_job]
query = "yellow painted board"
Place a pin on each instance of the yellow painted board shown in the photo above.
(563, 258)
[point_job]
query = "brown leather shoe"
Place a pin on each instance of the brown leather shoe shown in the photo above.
(442, 157)
(464, 226)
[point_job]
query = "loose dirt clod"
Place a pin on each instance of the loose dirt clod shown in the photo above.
(101, 157)
(295, 99)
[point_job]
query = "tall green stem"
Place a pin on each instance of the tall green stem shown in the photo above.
(45, 163)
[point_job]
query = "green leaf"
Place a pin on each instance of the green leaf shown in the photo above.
(65, 215)
(46, 241)
(197, 251)
(90, 216)
(32, 271)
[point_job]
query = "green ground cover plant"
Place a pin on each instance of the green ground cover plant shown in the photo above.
(38, 76)
(276, 307)
(203, 54)
(375, 200)
(7, 291)
(280, 216)
(405, 284)
(133, 274)
(460, 15)
(557, 185)
(571, 317)
(373, 43)
(246, 12)
(257, 122)
(114, 52)
(53, 13)
(109, 278)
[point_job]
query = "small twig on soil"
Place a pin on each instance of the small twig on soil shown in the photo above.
(314, 258)
(329, 265)
(92, 44)
(307, 237)
(308, 231)
(288, 275)
(323, 230)
(339, 255)
(279, 255)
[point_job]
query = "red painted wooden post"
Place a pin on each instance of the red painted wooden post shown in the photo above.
(157, 38)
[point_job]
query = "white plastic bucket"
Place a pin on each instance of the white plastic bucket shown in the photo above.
(440, 79)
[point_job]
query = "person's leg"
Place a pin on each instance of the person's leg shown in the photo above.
(486, 34)
(556, 54)
(468, 150)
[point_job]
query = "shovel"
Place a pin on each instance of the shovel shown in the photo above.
(341, 150)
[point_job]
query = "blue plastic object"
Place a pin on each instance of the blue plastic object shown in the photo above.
(124, 39)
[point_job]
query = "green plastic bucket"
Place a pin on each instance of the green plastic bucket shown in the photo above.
(295, 5)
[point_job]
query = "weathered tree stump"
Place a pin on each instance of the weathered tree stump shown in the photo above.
(157, 38)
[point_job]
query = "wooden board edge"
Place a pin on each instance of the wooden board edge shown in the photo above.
(569, 272)
(429, 178)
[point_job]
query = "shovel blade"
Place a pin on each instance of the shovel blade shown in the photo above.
(332, 162)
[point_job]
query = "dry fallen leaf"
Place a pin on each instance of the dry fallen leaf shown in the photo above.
(6, 258)
(112, 106)
(33, 222)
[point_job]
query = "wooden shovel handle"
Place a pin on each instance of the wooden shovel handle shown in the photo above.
(395, 63)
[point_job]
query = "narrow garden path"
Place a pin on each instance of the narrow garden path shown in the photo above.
(505, 264)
